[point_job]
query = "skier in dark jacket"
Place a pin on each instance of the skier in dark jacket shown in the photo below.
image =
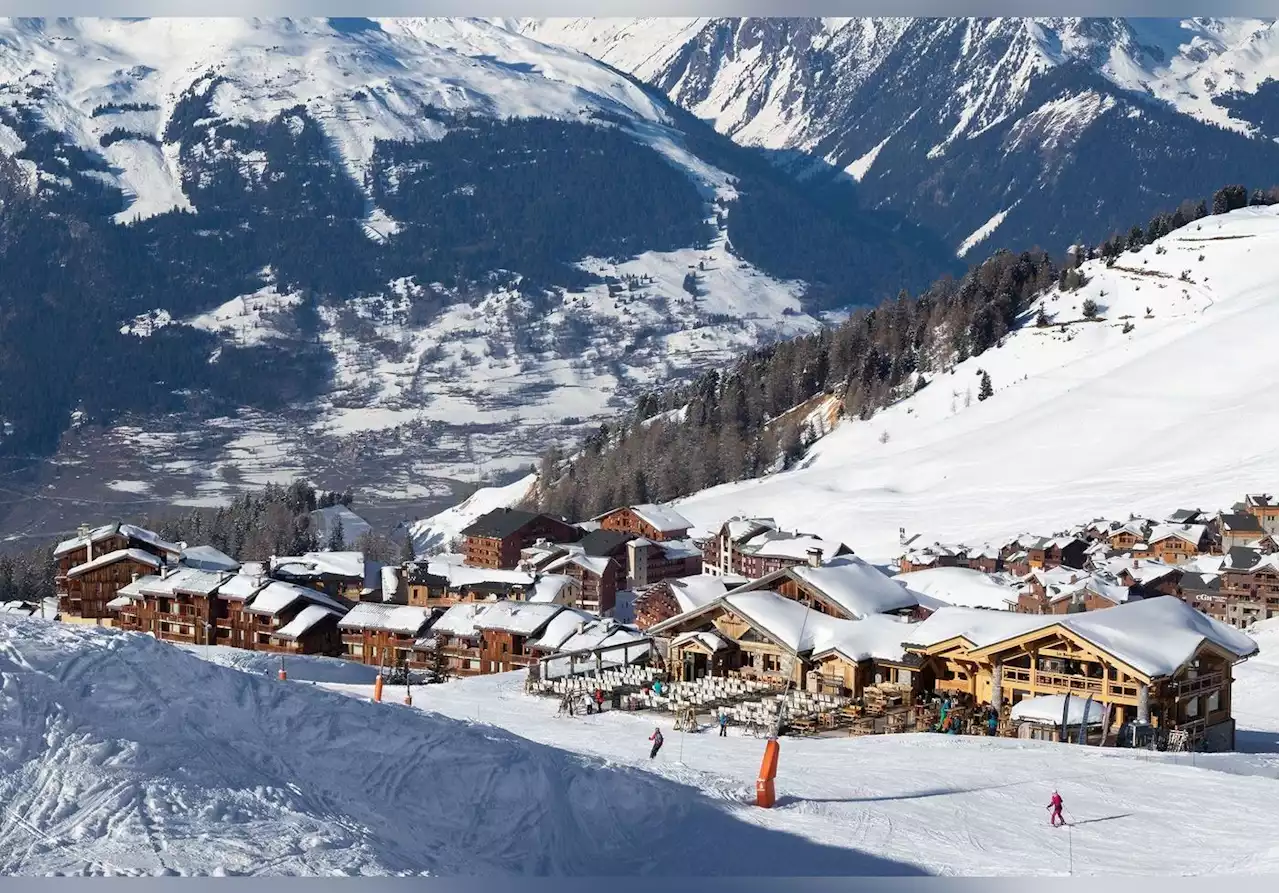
(656, 738)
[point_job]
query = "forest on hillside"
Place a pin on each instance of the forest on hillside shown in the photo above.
(734, 424)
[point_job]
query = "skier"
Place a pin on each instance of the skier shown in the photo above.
(1055, 804)
(993, 721)
(599, 701)
(724, 725)
(656, 738)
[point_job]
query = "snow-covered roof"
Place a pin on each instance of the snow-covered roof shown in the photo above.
(591, 564)
(694, 592)
(241, 586)
(675, 549)
(518, 618)
(1048, 709)
(548, 588)
(975, 625)
(660, 517)
(741, 528)
(561, 627)
(307, 618)
(279, 595)
(1189, 533)
(600, 633)
(120, 601)
(131, 531)
(1155, 636)
(857, 587)
(208, 558)
(459, 620)
(389, 581)
(777, 544)
(348, 565)
(958, 586)
(137, 555)
(461, 575)
(712, 641)
(188, 580)
(802, 629)
(406, 620)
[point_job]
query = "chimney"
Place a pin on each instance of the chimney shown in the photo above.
(133, 578)
(1073, 578)
(1135, 563)
(815, 556)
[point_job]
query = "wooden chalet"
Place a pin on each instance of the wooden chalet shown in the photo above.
(1057, 551)
(97, 563)
(755, 547)
(176, 605)
(496, 538)
(653, 522)
(383, 635)
(266, 620)
(1250, 586)
(234, 626)
(478, 639)
(595, 579)
(1238, 529)
(1129, 535)
(1179, 543)
(1263, 507)
(667, 598)
(648, 561)
(1154, 662)
(847, 588)
(768, 637)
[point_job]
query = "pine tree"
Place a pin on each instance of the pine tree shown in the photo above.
(984, 389)
(1089, 308)
(337, 541)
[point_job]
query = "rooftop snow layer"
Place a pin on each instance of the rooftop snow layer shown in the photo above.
(1048, 709)
(857, 587)
(959, 586)
(407, 620)
(306, 620)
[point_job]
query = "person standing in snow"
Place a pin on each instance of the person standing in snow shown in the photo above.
(599, 701)
(993, 722)
(656, 738)
(724, 724)
(1055, 804)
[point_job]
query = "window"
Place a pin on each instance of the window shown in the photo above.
(1213, 702)
(1193, 708)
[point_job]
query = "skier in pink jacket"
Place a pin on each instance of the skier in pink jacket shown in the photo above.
(1055, 804)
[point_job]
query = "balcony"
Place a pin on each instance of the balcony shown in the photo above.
(1189, 687)
(1062, 682)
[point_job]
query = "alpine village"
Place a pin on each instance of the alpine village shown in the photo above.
(1119, 632)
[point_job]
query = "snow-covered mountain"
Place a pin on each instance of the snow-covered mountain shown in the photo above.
(986, 129)
(1168, 399)
(450, 243)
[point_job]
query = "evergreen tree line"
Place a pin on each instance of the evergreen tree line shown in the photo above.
(274, 521)
(748, 420)
(28, 575)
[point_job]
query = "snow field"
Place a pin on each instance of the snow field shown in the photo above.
(1085, 422)
(122, 755)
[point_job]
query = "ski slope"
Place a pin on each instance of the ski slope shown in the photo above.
(948, 805)
(123, 755)
(1087, 419)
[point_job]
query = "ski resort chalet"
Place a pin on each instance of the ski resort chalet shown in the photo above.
(97, 563)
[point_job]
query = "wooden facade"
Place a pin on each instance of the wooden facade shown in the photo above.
(1056, 661)
(86, 593)
(496, 539)
(628, 520)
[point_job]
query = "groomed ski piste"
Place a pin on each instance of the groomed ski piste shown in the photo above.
(123, 755)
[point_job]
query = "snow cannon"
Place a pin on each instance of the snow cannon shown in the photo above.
(377, 689)
(768, 772)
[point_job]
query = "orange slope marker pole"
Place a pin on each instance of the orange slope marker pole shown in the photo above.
(768, 772)
(377, 688)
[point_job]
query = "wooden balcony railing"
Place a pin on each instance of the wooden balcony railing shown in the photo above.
(1189, 687)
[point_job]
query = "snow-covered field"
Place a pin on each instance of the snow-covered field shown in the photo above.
(1087, 419)
(120, 754)
(439, 531)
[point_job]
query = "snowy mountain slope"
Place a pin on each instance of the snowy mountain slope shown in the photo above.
(439, 531)
(109, 765)
(1086, 420)
(915, 109)
(950, 806)
(343, 202)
